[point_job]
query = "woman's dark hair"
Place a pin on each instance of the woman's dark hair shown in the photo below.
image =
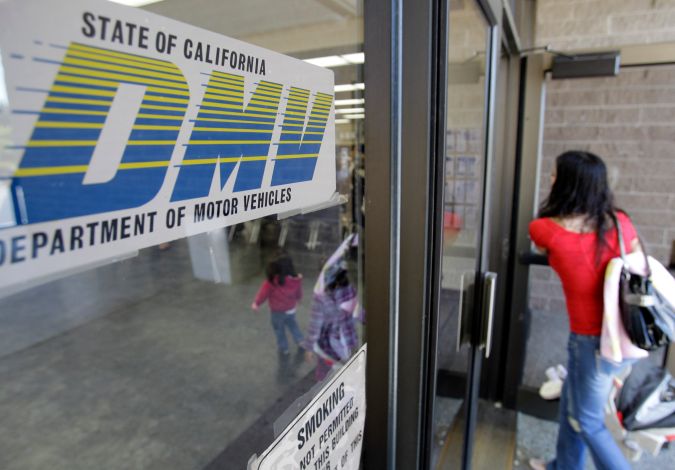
(279, 268)
(581, 188)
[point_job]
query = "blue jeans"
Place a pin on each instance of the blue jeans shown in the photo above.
(281, 321)
(582, 401)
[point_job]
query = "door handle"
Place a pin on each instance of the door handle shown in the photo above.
(489, 291)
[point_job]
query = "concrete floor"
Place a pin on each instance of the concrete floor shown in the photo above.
(536, 438)
(137, 365)
(547, 346)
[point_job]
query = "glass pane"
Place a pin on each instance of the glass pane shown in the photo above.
(157, 359)
(464, 168)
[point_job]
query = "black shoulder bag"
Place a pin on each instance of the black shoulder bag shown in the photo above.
(648, 318)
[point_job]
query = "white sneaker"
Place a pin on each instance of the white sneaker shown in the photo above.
(550, 390)
(537, 464)
(552, 373)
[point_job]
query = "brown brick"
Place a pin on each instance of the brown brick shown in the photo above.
(603, 116)
(654, 37)
(658, 115)
(596, 84)
(670, 236)
(576, 116)
(636, 202)
(658, 76)
(571, 98)
(547, 11)
(660, 149)
(555, 116)
(656, 218)
(557, 85)
(634, 77)
(655, 236)
(614, 150)
(623, 184)
(640, 96)
(589, 9)
(654, 184)
(642, 22)
(620, 133)
(571, 133)
(574, 44)
(666, 133)
(579, 28)
(628, 121)
(655, 167)
(604, 23)
(619, 115)
(553, 149)
(660, 253)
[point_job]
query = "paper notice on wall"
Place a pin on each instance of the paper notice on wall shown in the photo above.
(328, 433)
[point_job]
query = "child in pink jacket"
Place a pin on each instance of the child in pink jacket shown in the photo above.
(283, 289)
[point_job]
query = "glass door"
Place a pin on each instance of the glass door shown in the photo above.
(467, 289)
(157, 358)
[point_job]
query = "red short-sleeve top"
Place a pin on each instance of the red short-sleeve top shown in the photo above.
(573, 256)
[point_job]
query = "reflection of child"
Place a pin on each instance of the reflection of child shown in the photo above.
(332, 334)
(283, 288)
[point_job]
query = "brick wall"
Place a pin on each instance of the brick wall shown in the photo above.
(629, 121)
(584, 24)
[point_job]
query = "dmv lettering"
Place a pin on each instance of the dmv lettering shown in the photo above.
(50, 181)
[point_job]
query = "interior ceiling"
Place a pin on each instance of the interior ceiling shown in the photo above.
(239, 18)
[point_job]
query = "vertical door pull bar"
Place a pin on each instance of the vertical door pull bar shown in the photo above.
(489, 289)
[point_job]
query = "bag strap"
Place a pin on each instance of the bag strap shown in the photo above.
(622, 247)
(619, 234)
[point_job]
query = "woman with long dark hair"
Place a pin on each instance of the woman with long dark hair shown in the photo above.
(576, 230)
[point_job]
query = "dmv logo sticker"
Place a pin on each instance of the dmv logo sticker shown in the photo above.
(120, 116)
(225, 134)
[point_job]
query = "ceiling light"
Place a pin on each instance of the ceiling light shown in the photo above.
(355, 116)
(349, 87)
(338, 60)
(349, 110)
(356, 58)
(329, 61)
(135, 3)
(349, 102)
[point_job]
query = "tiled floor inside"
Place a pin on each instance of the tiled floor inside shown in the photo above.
(138, 365)
(537, 437)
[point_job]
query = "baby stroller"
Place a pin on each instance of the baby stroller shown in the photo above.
(640, 412)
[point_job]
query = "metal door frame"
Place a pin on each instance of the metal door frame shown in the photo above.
(406, 49)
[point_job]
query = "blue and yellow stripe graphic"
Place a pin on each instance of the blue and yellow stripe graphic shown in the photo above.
(227, 133)
(49, 180)
(300, 144)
